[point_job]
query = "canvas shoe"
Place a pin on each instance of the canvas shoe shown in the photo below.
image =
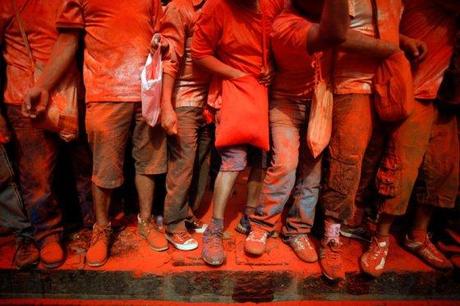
(303, 248)
(330, 259)
(213, 247)
(256, 242)
(374, 259)
(182, 241)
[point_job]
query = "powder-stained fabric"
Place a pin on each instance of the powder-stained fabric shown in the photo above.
(117, 41)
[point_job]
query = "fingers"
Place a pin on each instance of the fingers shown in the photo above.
(43, 103)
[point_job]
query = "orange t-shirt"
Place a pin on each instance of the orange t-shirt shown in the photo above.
(117, 40)
(426, 21)
(39, 18)
(234, 35)
(354, 72)
(295, 76)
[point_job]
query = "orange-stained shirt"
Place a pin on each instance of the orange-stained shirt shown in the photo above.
(177, 26)
(295, 76)
(234, 35)
(354, 72)
(39, 18)
(117, 41)
(424, 20)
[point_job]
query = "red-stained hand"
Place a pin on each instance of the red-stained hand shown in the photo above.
(159, 42)
(266, 76)
(169, 121)
(35, 102)
(415, 49)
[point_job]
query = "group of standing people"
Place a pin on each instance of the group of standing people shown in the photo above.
(275, 46)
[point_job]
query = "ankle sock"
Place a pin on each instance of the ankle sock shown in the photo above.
(331, 231)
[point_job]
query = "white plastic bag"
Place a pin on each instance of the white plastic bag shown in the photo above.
(151, 79)
(320, 122)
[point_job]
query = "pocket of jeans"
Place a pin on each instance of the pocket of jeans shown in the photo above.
(388, 179)
(343, 174)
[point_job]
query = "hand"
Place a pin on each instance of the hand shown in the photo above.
(159, 42)
(5, 133)
(415, 49)
(35, 102)
(266, 76)
(237, 74)
(169, 121)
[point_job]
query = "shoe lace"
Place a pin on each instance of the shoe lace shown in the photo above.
(99, 233)
(335, 248)
(375, 249)
(182, 236)
(258, 236)
(301, 243)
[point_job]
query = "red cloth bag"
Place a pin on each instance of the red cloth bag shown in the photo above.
(244, 114)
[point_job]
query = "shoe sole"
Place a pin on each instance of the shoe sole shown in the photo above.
(348, 235)
(213, 263)
(240, 229)
(181, 247)
(159, 249)
(97, 264)
(28, 266)
(53, 266)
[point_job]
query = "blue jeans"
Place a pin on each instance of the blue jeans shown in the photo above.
(12, 212)
(292, 169)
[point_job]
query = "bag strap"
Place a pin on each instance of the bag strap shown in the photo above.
(264, 34)
(375, 18)
(23, 32)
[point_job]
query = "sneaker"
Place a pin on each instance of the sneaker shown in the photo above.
(52, 254)
(213, 248)
(303, 248)
(182, 241)
(244, 226)
(27, 254)
(148, 230)
(427, 251)
(359, 232)
(330, 259)
(256, 242)
(374, 259)
(98, 251)
(195, 225)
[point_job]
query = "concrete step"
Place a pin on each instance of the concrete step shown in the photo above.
(134, 272)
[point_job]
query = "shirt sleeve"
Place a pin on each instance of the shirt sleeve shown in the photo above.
(290, 34)
(208, 30)
(71, 15)
(173, 28)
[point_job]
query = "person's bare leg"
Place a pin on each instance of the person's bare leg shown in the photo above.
(422, 220)
(102, 198)
(145, 186)
(223, 188)
(255, 184)
(384, 225)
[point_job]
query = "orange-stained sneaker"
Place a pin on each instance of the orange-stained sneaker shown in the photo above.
(182, 241)
(374, 259)
(428, 252)
(155, 237)
(330, 259)
(52, 254)
(256, 242)
(98, 251)
(303, 248)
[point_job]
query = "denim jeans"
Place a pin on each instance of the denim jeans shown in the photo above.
(292, 168)
(12, 213)
(188, 167)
